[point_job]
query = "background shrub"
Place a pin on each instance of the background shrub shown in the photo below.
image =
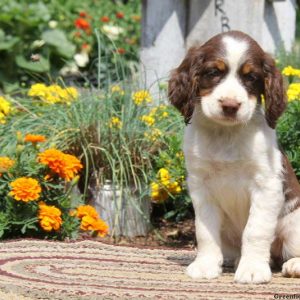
(57, 38)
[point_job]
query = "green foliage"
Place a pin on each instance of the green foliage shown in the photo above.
(288, 131)
(41, 38)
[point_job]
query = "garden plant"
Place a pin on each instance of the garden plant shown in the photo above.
(77, 114)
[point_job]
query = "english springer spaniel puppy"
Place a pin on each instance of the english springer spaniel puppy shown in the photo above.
(245, 194)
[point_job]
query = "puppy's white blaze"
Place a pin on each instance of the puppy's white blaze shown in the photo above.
(235, 51)
(231, 86)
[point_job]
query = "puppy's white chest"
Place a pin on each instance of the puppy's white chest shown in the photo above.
(227, 184)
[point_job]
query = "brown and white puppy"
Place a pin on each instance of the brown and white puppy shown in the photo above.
(245, 194)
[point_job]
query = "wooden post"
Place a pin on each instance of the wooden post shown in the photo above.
(171, 26)
(163, 39)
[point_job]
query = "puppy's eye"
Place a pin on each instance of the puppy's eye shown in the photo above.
(251, 77)
(212, 72)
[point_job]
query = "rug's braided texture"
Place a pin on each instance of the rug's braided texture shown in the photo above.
(31, 269)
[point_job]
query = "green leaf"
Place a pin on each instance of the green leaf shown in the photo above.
(2, 35)
(59, 41)
(7, 44)
(9, 86)
(170, 214)
(40, 66)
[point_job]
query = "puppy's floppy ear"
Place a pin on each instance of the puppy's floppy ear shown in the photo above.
(183, 84)
(274, 92)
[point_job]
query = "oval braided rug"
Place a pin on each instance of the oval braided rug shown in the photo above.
(33, 269)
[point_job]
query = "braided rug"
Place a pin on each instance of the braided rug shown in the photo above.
(35, 269)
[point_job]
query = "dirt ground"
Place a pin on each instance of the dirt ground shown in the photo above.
(164, 234)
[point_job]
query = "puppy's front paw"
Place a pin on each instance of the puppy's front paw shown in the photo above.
(250, 271)
(205, 268)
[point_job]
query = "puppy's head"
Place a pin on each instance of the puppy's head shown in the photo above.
(227, 76)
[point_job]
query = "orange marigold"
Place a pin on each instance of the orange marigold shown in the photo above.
(101, 227)
(72, 167)
(65, 165)
(98, 225)
(90, 220)
(87, 223)
(87, 210)
(50, 217)
(5, 164)
(34, 138)
(25, 189)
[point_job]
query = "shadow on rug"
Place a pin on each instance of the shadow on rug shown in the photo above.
(32, 269)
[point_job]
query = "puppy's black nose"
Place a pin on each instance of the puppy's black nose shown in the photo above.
(230, 107)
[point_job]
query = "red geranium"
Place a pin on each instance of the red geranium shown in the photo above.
(105, 19)
(120, 15)
(83, 14)
(121, 51)
(82, 24)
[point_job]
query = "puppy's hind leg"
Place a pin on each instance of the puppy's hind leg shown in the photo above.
(291, 268)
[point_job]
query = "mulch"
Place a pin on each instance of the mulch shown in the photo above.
(90, 269)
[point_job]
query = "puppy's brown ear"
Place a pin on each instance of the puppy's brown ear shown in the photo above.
(183, 84)
(274, 92)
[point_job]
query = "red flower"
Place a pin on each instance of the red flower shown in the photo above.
(121, 51)
(83, 14)
(86, 47)
(82, 24)
(105, 19)
(120, 15)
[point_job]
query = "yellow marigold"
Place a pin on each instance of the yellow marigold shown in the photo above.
(116, 89)
(153, 135)
(5, 109)
(87, 210)
(148, 120)
(293, 91)
(174, 188)
(34, 138)
(164, 176)
(290, 71)
(115, 122)
(53, 94)
(141, 97)
(65, 165)
(158, 193)
(159, 111)
(5, 164)
(165, 114)
(38, 90)
(25, 189)
(49, 217)
(160, 190)
(179, 155)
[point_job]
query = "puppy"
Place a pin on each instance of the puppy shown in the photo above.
(245, 194)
